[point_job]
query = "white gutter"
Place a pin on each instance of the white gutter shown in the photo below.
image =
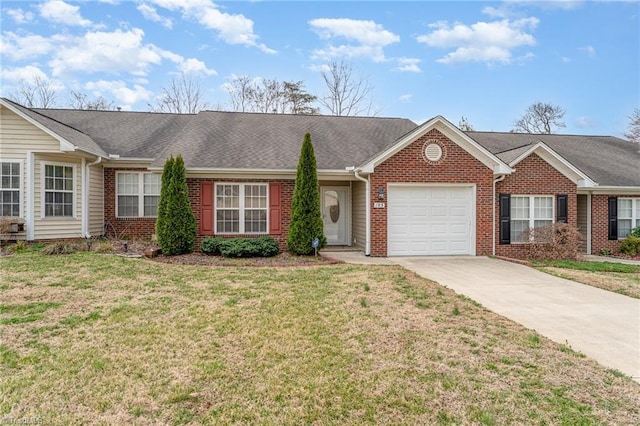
(85, 195)
(493, 243)
(367, 182)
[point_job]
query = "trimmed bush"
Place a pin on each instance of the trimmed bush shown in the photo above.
(630, 245)
(240, 247)
(176, 225)
(635, 232)
(306, 217)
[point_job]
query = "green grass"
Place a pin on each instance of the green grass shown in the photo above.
(131, 341)
(593, 266)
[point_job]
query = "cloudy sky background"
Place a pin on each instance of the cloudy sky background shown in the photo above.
(486, 61)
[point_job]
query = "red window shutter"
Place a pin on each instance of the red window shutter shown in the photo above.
(206, 208)
(275, 210)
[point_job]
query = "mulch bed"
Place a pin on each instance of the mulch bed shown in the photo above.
(281, 260)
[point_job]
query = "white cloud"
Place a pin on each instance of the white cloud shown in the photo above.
(19, 48)
(590, 51)
(150, 13)
(27, 73)
(408, 65)
(110, 52)
(119, 91)
(586, 122)
(405, 99)
(19, 16)
(565, 59)
(195, 66)
(62, 13)
(483, 41)
(365, 38)
(233, 29)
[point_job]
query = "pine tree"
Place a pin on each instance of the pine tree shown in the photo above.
(306, 218)
(178, 229)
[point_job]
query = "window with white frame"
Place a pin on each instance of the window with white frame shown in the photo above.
(137, 194)
(241, 208)
(58, 190)
(529, 212)
(9, 188)
(628, 215)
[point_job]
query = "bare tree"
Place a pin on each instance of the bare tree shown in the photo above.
(269, 95)
(183, 96)
(81, 101)
(634, 127)
(540, 118)
(39, 93)
(346, 93)
(464, 125)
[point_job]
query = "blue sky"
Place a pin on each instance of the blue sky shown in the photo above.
(486, 61)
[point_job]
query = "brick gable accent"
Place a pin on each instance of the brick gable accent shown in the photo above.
(410, 166)
(534, 176)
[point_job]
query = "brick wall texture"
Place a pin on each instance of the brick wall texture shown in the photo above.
(456, 166)
(534, 176)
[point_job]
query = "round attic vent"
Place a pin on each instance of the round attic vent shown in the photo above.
(432, 151)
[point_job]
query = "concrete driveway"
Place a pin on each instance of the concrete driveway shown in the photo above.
(603, 325)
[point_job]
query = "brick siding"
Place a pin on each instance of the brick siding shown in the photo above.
(410, 166)
(534, 176)
(600, 224)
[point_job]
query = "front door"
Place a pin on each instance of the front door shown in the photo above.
(335, 215)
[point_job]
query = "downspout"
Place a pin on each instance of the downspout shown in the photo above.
(367, 245)
(85, 197)
(493, 206)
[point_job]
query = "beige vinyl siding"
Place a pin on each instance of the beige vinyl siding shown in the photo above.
(17, 136)
(57, 227)
(96, 200)
(358, 214)
(582, 221)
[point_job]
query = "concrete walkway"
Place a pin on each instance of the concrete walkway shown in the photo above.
(601, 324)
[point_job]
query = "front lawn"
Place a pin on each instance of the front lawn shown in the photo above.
(102, 339)
(616, 277)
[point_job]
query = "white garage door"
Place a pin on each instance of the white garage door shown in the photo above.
(431, 220)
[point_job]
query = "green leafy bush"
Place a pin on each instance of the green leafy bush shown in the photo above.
(630, 245)
(240, 247)
(211, 245)
(635, 232)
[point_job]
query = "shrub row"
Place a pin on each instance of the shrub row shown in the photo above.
(240, 247)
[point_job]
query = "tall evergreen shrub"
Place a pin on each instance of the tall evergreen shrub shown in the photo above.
(306, 217)
(161, 221)
(177, 231)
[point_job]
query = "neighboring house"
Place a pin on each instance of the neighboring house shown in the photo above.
(388, 186)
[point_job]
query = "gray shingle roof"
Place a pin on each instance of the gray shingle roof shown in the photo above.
(273, 141)
(128, 134)
(607, 160)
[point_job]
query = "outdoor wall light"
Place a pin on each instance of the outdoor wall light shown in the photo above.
(381, 193)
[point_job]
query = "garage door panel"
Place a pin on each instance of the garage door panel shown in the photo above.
(430, 220)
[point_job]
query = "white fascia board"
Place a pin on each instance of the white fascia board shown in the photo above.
(450, 131)
(622, 190)
(558, 162)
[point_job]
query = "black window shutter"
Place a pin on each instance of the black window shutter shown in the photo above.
(505, 218)
(562, 208)
(613, 218)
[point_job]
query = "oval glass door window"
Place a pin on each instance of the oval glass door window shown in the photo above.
(331, 198)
